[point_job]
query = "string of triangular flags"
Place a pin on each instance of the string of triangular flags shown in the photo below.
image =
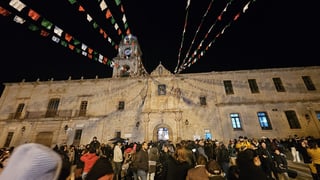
(196, 55)
(196, 34)
(37, 23)
(183, 33)
(108, 15)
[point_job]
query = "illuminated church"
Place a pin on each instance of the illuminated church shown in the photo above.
(139, 106)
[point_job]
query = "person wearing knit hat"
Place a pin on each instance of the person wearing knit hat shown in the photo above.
(32, 161)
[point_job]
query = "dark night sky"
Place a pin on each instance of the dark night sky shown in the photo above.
(271, 33)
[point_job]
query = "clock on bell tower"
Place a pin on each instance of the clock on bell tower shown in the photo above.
(128, 61)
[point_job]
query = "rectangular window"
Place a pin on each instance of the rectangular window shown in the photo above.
(118, 134)
(207, 134)
(228, 87)
(77, 137)
(8, 139)
(203, 100)
(278, 84)
(308, 83)
(19, 110)
(83, 108)
(253, 86)
(52, 108)
(293, 120)
(162, 89)
(264, 121)
(235, 121)
(121, 105)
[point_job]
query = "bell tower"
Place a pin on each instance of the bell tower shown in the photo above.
(128, 61)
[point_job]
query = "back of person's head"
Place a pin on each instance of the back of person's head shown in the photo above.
(213, 167)
(33, 161)
(138, 147)
(246, 158)
(181, 154)
(201, 160)
(92, 149)
(313, 144)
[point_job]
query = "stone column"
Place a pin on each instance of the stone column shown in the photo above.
(178, 117)
(146, 128)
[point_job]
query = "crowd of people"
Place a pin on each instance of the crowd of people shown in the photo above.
(241, 158)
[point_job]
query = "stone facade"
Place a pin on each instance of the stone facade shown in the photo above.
(186, 106)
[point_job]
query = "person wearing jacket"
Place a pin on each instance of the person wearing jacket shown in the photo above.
(281, 165)
(89, 160)
(142, 162)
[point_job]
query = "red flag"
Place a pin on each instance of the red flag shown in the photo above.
(44, 33)
(108, 14)
(68, 37)
(4, 12)
(33, 14)
(81, 9)
(236, 16)
(71, 46)
(128, 31)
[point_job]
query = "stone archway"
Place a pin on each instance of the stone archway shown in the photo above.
(162, 127)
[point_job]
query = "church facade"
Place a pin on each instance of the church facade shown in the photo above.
(138, 106)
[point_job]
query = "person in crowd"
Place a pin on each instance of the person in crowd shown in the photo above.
(201, 150)
(208, 149)
(233, 172)
(66, 164)
(88, 159)
(32, 161)
(199, 171)
(232, 151)
(178, 164)
(281, 165)
(267, 163)
(294, 148)
(191, 159)
(142, 161)
(153, 155)
(128, 158)
(72, 154)
(314, 153)
(307, 159)
(249, 165)
(164, 158)
(95, 144)
(4, 157)
(79, 151)
(223, 158)
(133, 164)
(214, 171)
(242, 144)
(101, 170)
(117, 160)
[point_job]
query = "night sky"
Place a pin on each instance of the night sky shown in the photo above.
(269, 34)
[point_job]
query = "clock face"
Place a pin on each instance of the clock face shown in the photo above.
(127, 51)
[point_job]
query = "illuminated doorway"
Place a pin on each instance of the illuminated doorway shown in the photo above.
(163, 134)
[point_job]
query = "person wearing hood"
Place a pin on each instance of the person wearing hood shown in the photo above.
(33, 161)
(89, 160)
